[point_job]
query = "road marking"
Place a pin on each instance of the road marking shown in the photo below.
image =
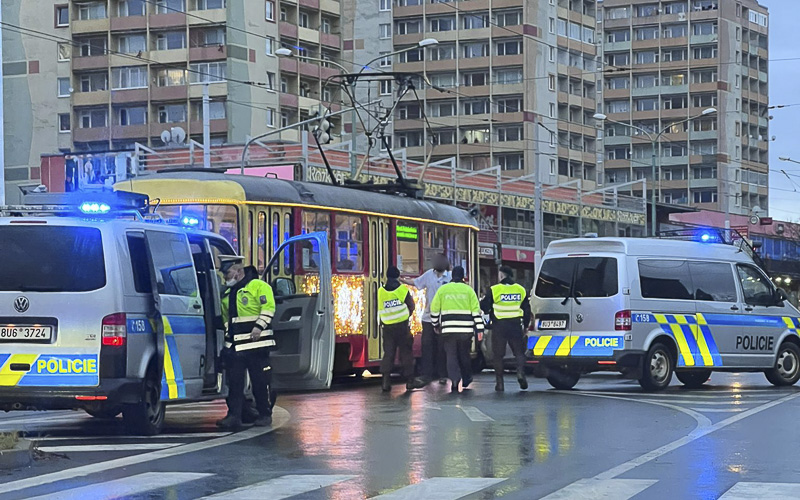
(601, 489)
(281, 487)
(442, 488)
(279, 419)
(198, 435)
(475, 414)
(719, 410)
(132, 485)
(41, 419)
(747, 491)
(107, 447)
(694, 402)
(698, 394)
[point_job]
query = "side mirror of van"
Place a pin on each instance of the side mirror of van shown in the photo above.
(283, 287)
(780, 297)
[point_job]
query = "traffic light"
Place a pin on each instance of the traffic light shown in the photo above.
(322, 129)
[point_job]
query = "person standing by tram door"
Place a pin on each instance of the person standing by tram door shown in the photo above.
(433, 359)
(395, 308)
(508, 305)
(456, 312)
(248, 306)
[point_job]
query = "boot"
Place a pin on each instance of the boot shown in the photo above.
(230, 423)
(500, 384)
(249, 414)
(263, 421)
(386, 383)
(523, 381)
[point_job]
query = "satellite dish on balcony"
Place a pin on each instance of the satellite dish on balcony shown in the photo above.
(174, 136)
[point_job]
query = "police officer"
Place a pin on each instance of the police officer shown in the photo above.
(456, 312)
(509, 306)
(395, 307)
(248, 306)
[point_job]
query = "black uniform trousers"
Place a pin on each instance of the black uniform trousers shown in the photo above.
(459, 365)
(396, 338)
(508, 331)
(433, 356)
(256, 363)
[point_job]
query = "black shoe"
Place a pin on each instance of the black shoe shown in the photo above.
(263, 421)
(523, 382)
(466, 383)
(386, 383)
(442, 381)
(454, 389)
(500, 385)
(249, 415)
(230, 423)
(421, 382)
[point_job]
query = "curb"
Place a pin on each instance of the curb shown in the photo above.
(17, 457)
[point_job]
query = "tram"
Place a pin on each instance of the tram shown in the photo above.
(366, 233)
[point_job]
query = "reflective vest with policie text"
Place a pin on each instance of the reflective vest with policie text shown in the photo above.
(456, 309)
(255, 305)
(507, 300)
(393, 308)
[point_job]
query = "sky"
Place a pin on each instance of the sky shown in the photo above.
(784, 89)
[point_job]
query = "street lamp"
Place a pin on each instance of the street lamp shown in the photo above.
(654, 144)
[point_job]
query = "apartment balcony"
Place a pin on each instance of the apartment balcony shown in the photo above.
(620, 164)
(646, 44)
(311, 4)
(217, 126)
(90, 26)
(217, 89)
(287, 65)
(610, 24)
(674, 113)
(128, 23)
(89, 62)
(678, 41)
(415, 124)
(515, 60)
(308, 35)
(500, 4)
(170, 20)
(289, 100)
(130, 132)
(704, 87)
(157, 128)
(409, 11)
(669, 160)
(474, 91)
(617, 93)
(330, 40)
(95, 134)
(617, 46)
(129, 95)
(763, 76)
(172, 93)
(704, 39)
(699, 15)
(660, 89)
(674, 185)
(705, 135)
(638, 115)
(506, 31)
(307, 102)
(311, 70)
(409, 39)
(703, 183)
(478, 33)
(209, 16)
(502, 118)
(98, 98)
(116, 60)
(763, 122)
(203, 53)
(330, 6)
(287, 30)
(617, 140)
(509, 88)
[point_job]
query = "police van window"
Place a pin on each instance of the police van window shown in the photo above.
(220, 219)
(665, 279)
(45, 258)
(555, 278)
(139, 265)
(175, 273)
(407, 237)
(349, 249)
(596, 277)
(713, 282)
(756, 288)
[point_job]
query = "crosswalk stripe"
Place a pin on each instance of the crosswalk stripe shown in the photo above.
(441, 488)
(475, 414)
(601, 489)
(187, 435)
(694, 402)
(747, 491)
(132, 485)
(107, 447)
(281, 487)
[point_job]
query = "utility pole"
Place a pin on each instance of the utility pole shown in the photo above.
(2, 127)
(206, 128)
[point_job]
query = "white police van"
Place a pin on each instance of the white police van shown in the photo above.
(113, 311)
(649, 308)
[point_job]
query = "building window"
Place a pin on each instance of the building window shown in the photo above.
(304, 20)
(443, 24)
(507, 134)
(216, 110)
(284, 119)
(170, 6)
(325, 26)
(269, 44)
(709, 52)
(509, 105)
(93, 118)
(284, 85)
(476, 21)
(133, 115)
(386, 30)
(508, 18)
(172, 113)
(64, 52)
(270, 81)
(270, 118)
(132, 44)
(64, 87)
(209, 72)
(214, 36)
(211, 4)
(385, 5)
(171, 41)
(475, 49)
(386, 87)
(91, 11)
(64, 122)
(553, 170)
(62, 16)
(385, 60)
(129, 78)
(171, 77)
(552, 110)
(551, 82)
(511, 161)
(509, 48)
(129, 8)
(94, 82)
(552, 26)
(92, 47)
(269, 7)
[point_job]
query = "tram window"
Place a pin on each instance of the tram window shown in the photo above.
(220, 219)
(287, 224)
(432, 244)
(276, 232)
(407, 235)
(312, 222)
(349, 246)
(457, 247)
(261, 242)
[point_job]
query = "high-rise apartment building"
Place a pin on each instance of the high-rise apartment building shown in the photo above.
(104, 75)
(667, 62)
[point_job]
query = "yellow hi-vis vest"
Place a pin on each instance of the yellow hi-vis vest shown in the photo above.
(507, 300)
(456, 310)
(392, 305)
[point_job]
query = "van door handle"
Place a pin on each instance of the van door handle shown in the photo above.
(734, 308)
(197, 306)
(748, 308)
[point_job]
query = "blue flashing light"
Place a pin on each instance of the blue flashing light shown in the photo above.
(190, 221)
(705, 237)
(94, 208)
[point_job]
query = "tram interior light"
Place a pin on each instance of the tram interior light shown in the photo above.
(95, 208)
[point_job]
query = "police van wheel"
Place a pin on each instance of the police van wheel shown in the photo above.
(694, 378)
(563, 380)
(658, 368)
(787, 366)
(146, 418)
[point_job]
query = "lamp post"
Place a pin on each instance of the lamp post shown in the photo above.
(654, 144)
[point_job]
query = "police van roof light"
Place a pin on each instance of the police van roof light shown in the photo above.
(95, 208)
(705, 237)
(190, 221)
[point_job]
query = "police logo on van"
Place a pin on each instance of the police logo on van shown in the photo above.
(21, 304)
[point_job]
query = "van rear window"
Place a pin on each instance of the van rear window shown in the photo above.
(579, 277)
(45, 258)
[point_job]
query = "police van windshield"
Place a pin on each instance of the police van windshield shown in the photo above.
(51, 259)
(578, 277)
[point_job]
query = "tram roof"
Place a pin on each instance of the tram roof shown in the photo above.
(279, 191)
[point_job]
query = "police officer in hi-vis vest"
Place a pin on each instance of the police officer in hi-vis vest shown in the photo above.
(509, 306)
(248, 306)
(457, 314)
(395, 307)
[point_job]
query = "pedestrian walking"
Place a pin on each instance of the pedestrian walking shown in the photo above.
(248, 306)
(433, 359)
(508, 305)
(396, 306)
(456, 313)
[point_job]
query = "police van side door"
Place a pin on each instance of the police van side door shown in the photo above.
(718, 325)
(763, 324)
(300, 275)
(181, 311)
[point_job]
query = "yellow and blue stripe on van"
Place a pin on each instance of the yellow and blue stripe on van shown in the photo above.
(48, 370)
(173, 385)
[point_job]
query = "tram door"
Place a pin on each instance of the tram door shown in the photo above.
(268, 227)
(379, 259)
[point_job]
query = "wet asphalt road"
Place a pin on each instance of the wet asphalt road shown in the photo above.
(735, 438)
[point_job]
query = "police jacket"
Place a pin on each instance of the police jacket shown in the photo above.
(508, 305)
(254, 306)
(455, 309)
(395, 304)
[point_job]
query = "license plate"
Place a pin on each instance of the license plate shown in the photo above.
(25, 332)
(552, 324)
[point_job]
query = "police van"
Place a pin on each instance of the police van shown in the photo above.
(109, 309)
(649, 308)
